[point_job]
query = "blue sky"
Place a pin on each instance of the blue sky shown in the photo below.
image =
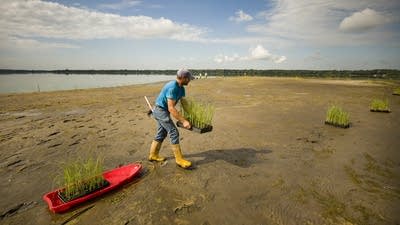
(161, 34)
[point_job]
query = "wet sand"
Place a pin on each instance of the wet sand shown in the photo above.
(269, 160)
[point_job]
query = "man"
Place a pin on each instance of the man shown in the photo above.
(166, 101)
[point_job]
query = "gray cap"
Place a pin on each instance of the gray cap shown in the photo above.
(184, 73)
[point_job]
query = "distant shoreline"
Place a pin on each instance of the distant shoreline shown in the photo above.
(376, 73)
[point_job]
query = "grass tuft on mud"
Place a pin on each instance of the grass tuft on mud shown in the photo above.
(396, 91)
(379, 105)
(336, 116)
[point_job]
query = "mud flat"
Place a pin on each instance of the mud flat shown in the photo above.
(270, 158)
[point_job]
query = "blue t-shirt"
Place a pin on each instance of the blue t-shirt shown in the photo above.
(171, 90)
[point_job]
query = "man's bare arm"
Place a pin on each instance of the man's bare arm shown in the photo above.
(176, 114)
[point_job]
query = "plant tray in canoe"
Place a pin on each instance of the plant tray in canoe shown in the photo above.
(86, 191)
(379, 110)
(337, 125)
(207, 128)
(115, 177)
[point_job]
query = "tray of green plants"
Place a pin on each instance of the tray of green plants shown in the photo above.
(396, 91)
(335, 116)
(87, 187)
(199, 114)
(378, 105)
(203, 129)
(85, 180)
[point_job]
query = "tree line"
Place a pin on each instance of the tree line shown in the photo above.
(377, 73)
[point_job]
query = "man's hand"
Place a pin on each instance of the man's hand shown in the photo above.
(186, 124)
(171, 108)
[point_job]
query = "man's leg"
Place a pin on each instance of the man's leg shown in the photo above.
(176, 148)
(161, 133)
(165, 121)
(156, 144)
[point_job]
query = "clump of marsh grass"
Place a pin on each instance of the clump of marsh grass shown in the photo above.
(81, 177)
(396, 91)
(336, 116)
(379, 105)
(199, 114)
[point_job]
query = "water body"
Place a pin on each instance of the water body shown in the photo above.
(19, 83)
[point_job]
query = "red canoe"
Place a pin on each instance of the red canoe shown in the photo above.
(116, 177)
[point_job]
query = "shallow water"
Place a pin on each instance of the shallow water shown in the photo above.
(17, 83)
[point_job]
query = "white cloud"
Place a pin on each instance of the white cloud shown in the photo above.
(120, 5)
(363, 20)
(220, 58)
(27, 43)
(31, 19)
(316, 22)
(241, 17)
(261, 53)
(256, 53)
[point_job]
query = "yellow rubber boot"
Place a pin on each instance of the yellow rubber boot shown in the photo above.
(154, 152)
(179, 158)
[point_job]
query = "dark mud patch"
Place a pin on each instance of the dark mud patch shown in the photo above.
(71, 219)
(243, 157)
(17, 209)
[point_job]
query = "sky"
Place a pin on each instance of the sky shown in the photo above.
(207, 34)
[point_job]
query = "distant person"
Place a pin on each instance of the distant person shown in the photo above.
(166, 101)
